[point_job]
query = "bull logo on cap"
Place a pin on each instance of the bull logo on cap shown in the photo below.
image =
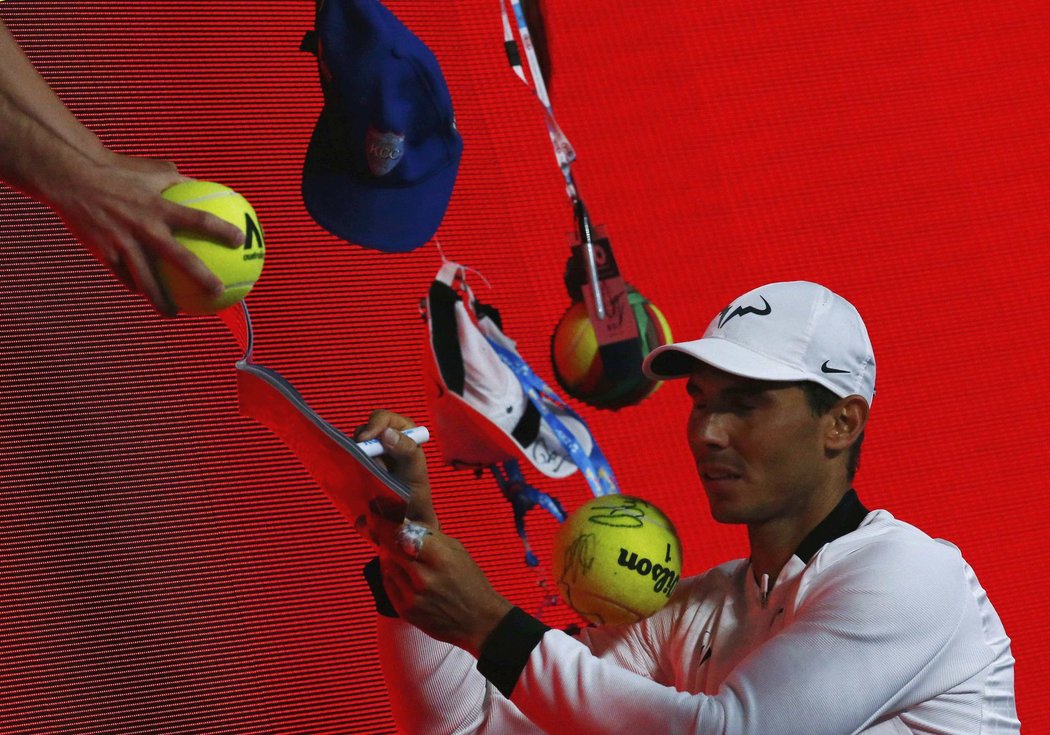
(726, 315)
(383, 151)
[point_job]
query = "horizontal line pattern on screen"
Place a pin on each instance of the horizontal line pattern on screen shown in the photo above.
(174, 567)
(168, 564)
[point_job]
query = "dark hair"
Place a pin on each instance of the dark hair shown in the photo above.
(820, 400)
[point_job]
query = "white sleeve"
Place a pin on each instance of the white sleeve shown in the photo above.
(435, 688)
(432, 685)
(867, 640)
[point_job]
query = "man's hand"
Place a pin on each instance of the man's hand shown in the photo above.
(441, 590)
(405, 460)
(113, 205)
(435, 585)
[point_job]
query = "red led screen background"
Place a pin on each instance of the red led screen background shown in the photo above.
(167, 565)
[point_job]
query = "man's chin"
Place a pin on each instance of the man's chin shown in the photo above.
(729, 516)
(725, 504)
(734, 508)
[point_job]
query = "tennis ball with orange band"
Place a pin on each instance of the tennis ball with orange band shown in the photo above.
(577, 356)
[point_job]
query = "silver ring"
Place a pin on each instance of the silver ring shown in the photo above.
(410, 538)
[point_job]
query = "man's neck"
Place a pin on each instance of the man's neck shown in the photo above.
(774, 542)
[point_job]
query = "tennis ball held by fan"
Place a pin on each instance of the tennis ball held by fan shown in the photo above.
(617, 559)
(238, 268)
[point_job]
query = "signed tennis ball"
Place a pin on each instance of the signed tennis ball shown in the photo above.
(617, 559)
(239, 268)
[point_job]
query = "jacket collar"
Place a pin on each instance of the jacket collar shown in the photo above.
(845, 518)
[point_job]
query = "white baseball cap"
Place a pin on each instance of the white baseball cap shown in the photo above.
(788, 331)
(482, 414)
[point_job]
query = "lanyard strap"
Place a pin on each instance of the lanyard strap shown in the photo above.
(563, 150)
(595, 467)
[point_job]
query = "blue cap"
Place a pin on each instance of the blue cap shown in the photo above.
(384, 154)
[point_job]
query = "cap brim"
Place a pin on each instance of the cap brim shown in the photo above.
(352, 206)
(469, 438)
(680, 359)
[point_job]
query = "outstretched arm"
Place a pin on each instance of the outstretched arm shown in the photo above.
(112, 203)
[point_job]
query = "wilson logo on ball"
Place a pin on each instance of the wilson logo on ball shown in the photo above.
(617, 559)
(664, 578)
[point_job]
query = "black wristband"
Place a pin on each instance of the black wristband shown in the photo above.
(507, 649)
(374, 577)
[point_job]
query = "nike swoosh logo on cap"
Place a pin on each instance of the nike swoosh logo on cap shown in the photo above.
(825, 369)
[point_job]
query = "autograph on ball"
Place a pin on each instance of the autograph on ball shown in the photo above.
(622, 512)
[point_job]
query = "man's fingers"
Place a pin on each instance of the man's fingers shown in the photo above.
(120, 270)
(411, 465)
(205, 224)
(379, 420)
(132, 264)
(411, 543)
(198, 224)
(164, 246)
(405, 459)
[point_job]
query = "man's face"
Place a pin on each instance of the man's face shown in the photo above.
(759, 449)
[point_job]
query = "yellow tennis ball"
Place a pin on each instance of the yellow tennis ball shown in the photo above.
(239, 268)
(574, 349)
(577, 357)
(617, 559)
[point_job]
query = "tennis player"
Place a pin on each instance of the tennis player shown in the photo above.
(842, 620)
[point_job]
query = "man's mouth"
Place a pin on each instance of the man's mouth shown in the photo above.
(716, 473)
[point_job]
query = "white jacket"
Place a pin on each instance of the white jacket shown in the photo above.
(881, 630)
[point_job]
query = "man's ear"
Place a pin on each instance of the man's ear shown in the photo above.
(847, 420)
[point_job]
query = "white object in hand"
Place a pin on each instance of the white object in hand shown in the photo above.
(374, 448)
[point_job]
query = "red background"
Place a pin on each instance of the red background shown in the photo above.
(168, 566)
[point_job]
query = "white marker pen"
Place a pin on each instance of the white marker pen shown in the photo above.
(374, 448)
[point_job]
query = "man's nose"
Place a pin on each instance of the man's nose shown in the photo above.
(710, 431)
